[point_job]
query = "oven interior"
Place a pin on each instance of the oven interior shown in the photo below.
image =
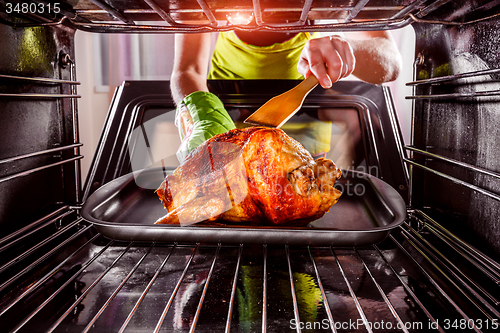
(439, 270)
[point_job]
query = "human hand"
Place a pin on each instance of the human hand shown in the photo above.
(328, 58)
(200, 116)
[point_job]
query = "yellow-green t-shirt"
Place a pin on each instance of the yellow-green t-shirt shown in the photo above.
(234, 59)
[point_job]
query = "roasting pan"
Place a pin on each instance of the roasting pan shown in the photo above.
(127, 207)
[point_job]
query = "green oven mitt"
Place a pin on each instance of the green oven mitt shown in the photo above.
(200, 116)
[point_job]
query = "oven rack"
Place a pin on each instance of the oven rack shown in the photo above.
(209, 16)
(40, 80)
(412, 161)
(451, 178)
(32, 95)
(418, 158)
(453, 77)
(435, 279)
(457, 78)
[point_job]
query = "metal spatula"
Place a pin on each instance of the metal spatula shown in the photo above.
(277, 111)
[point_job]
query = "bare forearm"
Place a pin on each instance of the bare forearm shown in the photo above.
(372, 56)
(377, 60)
(185, 83)
(190, 65)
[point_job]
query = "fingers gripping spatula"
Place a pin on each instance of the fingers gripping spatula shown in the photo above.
(277, 111)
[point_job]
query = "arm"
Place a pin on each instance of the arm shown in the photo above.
(192, 52)
(378, 59)
(200, 114)
(372, 56)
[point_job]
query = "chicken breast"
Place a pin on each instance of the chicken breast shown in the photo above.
(255, 176)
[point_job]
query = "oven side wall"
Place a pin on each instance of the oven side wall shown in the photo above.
(465, 129)
(32, 125)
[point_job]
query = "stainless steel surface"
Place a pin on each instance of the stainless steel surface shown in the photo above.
(453, 77)
(38, 79)
(206, 16)
(295, 303)
(169, 287)
(459, 163)
(333, 27)
(457, 95)
(304, 12)
(408, 9)
(47, 151)
(233, 292)
(38, 283)
(455, 180)
(455, 23)
(37, 155)
(484, 302)
(35, 227)
(35, 96)
(264, 289)
(355, 11)
(453, 274)
(126, 209)
(471, 254)
(113, 12)
(270, 9)
(67, 61)
(117, 290)
(457, 119)
(208, 12)
(19, 234)
(432, 7)
(33, 170)
(161, 12)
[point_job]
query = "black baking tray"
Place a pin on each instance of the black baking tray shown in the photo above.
(127, 207)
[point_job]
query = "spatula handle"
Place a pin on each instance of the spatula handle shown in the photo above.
(308, 84)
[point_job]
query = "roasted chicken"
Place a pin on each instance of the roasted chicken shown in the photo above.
(254, 176)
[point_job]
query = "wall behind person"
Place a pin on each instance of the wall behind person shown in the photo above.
(405, 39)
(103, 62)
(93, 105)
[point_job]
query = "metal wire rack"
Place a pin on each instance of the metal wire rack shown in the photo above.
(46, 91)
(421, 277)
(209, 16)
(433, 241)
(472, 95)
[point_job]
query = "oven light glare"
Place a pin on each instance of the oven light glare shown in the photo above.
(239, 18)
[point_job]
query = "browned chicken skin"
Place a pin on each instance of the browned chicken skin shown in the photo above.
(256, 175)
